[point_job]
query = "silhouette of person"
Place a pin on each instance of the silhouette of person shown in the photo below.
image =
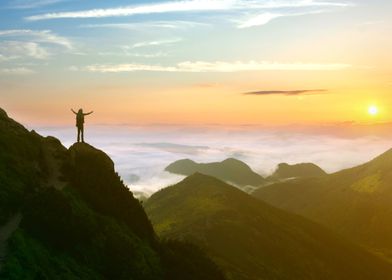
(80, 122)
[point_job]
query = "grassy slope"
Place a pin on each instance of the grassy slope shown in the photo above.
(355, 202)
(252, 240)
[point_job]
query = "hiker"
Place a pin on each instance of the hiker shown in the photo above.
(80, 122)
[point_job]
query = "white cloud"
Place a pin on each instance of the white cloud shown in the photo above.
(265, 18)
(155, 43)
(29, 4)
(259, 20)
(16, 71)
(218, 66)
(16, 49)
(42, 36)
(172, 24)
(186, 6)
(165, 7)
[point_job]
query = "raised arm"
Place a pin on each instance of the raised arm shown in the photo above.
(88, 113)
(74, 112)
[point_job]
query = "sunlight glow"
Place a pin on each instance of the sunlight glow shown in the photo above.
(373, 110)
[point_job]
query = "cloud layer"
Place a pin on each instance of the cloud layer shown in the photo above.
(136, 151)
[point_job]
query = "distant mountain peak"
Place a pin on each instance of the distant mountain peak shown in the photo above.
(197, 176)
(233, 160)
(300, 170)
(186, 160)
(229, 170)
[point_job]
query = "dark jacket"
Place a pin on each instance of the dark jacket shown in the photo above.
(79, 119)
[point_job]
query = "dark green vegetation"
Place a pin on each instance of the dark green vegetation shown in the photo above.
(79, 221)
(355, 202)
(230, 170)
(252, 240)
(301, 170)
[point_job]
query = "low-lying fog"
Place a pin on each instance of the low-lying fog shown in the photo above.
(142, 153)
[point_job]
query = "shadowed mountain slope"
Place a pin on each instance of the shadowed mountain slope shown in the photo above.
(356, 202)
(230, 170)
(65, 214)
(252, 240)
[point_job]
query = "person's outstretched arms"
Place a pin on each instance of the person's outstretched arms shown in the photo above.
(74, 112)
(88, 113)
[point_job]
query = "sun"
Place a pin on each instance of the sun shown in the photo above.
(373, 110)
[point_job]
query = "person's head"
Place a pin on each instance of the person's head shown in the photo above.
(80, 111)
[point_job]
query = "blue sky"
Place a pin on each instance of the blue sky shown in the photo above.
(160, 32)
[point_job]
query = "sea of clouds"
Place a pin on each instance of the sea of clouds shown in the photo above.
(142, 152)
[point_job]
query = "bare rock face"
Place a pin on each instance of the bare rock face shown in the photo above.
(85, 155)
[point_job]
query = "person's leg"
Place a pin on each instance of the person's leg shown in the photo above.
(78, 133)
(82, 129)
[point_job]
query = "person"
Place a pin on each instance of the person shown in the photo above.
(80, 122)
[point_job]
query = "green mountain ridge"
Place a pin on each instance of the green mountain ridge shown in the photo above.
(355, 202)
(230, 170)
(300, 170)
(252, 240)
(77, 220)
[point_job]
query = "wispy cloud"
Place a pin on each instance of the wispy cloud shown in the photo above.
(156, 43)
(165, 7)
(266, 17)
(27, 44)
(218, 66)
(186, 6)
(30, 4)
(4, 58)
(42, 36)
(127, 52)
(16, 49)
(287, 92)
(259, 20)
(16, 71)
(170, 24)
